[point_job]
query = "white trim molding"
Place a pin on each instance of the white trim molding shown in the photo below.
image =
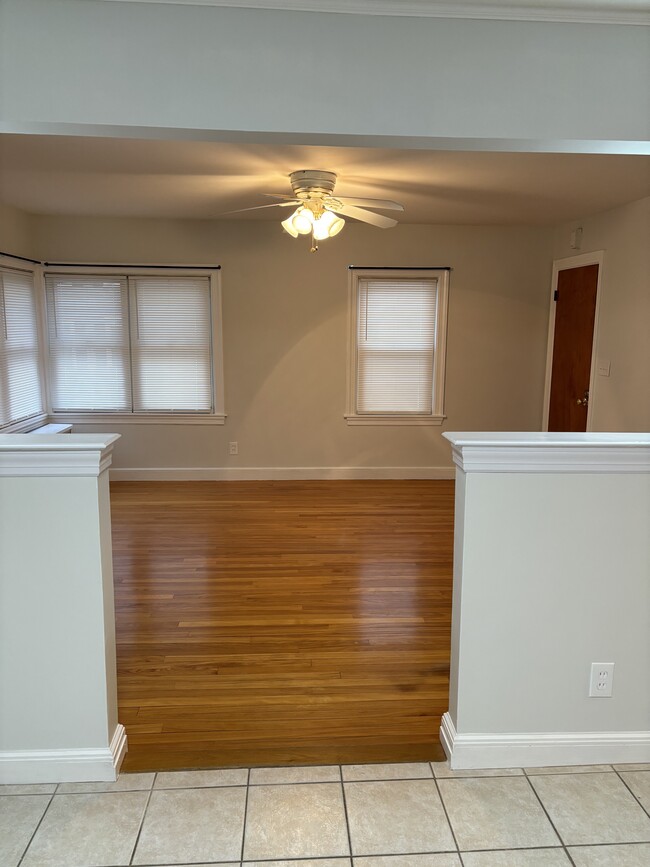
(535, 452)
(182, 474)
(541, 749)
(573, 11)
(394, 420)
(100, 764)
(54, 455)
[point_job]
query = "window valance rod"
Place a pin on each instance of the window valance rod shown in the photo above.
(122, 265)
(399, 268)
(110, 265)
(21, 258)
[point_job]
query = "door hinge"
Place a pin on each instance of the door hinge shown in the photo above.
(556, 295)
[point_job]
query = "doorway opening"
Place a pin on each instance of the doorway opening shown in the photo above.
(571, 355)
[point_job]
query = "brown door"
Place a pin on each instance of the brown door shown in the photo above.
(575, 312)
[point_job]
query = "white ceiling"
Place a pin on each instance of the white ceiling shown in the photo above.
(127, 177)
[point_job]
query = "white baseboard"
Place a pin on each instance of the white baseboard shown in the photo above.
(65, 766)
(541, 749)
(183, 474)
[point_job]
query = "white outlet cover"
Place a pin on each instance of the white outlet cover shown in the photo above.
(601, 682)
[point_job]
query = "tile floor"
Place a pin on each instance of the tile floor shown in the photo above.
(401, 815)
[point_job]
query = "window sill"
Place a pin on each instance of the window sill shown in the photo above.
(26, 425)
(396, 420)
(136, 418)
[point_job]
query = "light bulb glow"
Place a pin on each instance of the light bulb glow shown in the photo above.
(328, 225)
(302, 221)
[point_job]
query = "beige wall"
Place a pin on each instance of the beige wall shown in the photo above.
(620, 402)
(285, 336)
(15, 231)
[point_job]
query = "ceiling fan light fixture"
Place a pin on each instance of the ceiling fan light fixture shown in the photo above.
(287, 225)
(327, 225)
(302, 220)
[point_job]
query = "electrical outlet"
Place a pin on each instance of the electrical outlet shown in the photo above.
(233, 448)
(602, 680)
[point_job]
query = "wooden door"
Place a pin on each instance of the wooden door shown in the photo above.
(575, 313)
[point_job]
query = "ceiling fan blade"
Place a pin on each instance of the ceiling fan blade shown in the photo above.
(365, 216)
(278, 196)
(386, 204)
(260, 207)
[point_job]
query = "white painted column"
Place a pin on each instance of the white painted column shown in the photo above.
(551, 574)
(58, 696)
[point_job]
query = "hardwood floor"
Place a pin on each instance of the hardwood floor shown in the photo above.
(263, 623)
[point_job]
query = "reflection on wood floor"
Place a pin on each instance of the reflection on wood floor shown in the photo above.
(282, 622)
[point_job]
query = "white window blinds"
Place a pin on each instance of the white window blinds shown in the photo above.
(20, 381)
(89, 343)
(171, 348)
(139, 344)
(396, 335)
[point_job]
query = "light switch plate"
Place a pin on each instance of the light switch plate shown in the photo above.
(604, 368)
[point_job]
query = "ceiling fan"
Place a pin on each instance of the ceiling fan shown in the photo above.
(320, 213)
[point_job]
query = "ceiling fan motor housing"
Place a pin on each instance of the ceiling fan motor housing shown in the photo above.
(306, 182)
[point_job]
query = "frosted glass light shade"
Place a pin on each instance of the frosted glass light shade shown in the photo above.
(302, 221)
(287, 225)
(327, 225)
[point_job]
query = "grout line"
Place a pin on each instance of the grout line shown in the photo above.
(345, 813)
(144, 813)
(243, 830)
(31, 839)
(451, 827)
(637, 799)
(541, 803)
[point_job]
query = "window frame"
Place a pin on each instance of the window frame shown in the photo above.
(218, 414)
(437, 414)
(8, 263)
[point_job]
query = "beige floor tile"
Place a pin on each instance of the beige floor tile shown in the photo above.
(632, 767)
(87, 830)
(397, 817)
(592, 808)
(19, 817)
(192, 825)
(305, 862)
(442, 771)
(518, 858)
(320, 774)
(447, 859)
(124, 783)
(397, 771)
(632, 855)
(201, 779)
(639, 782)
(569, 769)
(496, 813)
(19, 789)
(299, 821)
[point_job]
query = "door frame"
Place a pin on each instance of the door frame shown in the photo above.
(595, 258)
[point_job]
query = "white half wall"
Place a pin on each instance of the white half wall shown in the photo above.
(551, 574)
(58, 707)
(168, 69)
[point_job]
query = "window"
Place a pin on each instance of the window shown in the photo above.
(138, 345)
(21, 394)
(397, 346)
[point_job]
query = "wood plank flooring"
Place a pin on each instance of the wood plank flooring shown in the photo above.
(263, 623)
